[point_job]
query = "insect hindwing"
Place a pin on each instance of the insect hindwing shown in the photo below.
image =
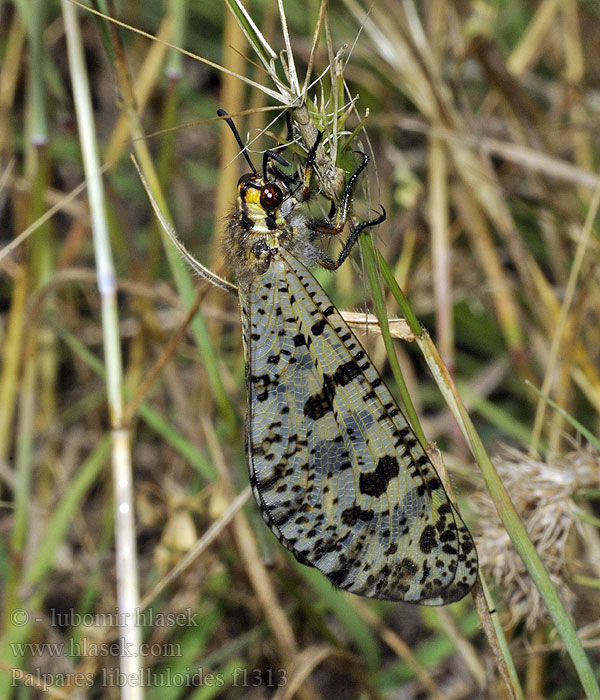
(337, 472)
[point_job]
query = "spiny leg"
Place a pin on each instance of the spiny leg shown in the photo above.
(290, 180)
(326, 226)
(309, 168)
(325, 261)
(273, 153)
(335, 227)
(332, 228)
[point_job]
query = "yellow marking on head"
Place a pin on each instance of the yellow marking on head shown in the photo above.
(257, 213)
(252, 196)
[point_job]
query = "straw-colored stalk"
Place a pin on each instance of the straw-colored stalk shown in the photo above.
(127, 577)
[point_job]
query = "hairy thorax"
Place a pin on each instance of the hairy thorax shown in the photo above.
(254, 237)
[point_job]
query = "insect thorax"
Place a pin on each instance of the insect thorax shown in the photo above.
(254, 235)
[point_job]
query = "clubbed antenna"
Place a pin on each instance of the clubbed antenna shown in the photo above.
(268, 155)
(223, 113)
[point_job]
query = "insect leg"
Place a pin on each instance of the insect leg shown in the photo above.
(309, 168)
(291, 180)
(336, 226)
(325, 261)
(272, 154)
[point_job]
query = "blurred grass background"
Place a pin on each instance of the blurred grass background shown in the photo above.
(483, 123)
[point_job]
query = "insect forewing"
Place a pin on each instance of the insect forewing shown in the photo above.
(338, 474)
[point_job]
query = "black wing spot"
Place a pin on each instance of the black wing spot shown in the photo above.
(448, 535)
(352, 515)
(318, 327)
(376, 482)
(338, 577)
(345, 373)
(428, 540)
(299, 340)
(407, 568)
(320, 404)
(265, 380)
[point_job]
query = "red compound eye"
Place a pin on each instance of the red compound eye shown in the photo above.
(270, 197)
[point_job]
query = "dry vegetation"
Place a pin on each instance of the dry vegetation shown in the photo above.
(483, 120)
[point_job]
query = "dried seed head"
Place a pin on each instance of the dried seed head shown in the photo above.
(542, 493)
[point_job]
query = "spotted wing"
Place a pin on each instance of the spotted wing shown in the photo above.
(337, 472)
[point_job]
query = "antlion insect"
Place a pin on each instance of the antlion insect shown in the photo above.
(336, 470)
